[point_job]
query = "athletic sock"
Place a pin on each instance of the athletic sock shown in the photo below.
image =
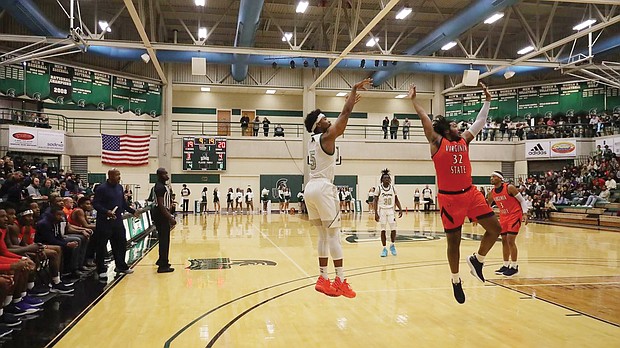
(480, 257)
(324, 272)
(340, 272)
(506, 263)
(456, 278)
(30, 285)
(56, 279)
(513, 264)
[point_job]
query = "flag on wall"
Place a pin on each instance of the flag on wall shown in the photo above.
(126, 149)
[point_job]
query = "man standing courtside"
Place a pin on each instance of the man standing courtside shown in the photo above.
(163, 219)
(320, 192)
(457, 197)
(110, 204)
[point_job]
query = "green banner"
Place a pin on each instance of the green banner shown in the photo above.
(548, 100)
(81, 88)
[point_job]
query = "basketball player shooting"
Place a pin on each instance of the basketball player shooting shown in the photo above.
(321, 194)
(457, 197)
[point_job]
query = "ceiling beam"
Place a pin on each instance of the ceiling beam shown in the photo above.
(599, 2)
(544, 49)
(355, 41)
(145, 40)
(311, 54)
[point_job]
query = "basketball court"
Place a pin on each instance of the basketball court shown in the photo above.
(248, 281)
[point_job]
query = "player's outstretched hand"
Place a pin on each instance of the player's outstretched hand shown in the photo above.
(412, 92)
(363, 85)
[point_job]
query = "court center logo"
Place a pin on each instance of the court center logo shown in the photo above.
(537, 150)
(225, 263)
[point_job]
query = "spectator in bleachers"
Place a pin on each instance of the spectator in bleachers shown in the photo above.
(33, 189)
(602, 197)
(611, 183)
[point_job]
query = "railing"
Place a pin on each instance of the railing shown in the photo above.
(294, 130)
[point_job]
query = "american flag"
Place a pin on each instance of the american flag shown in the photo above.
(126, 149)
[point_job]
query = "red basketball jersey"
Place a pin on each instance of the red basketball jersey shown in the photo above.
(452, 165)
(507, 204)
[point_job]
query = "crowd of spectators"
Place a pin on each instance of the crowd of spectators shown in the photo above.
(583, 185)
(26, 118)
(46, 224)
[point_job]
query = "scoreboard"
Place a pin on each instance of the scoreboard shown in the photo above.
(204, 153)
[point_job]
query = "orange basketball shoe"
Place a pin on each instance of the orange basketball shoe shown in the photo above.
(325, 286)
(343, 288)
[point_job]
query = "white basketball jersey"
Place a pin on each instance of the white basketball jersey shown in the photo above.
(321, 164)
(386, 197)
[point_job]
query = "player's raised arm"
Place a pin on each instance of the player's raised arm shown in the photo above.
(481, 119)
(427, 123)
(340, 124)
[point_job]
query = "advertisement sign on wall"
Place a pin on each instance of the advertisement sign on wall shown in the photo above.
(36, 140)
(563, 148)
(537, 149)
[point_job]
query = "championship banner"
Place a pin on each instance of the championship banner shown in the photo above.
(537, 149)
(36, 140)
(79, 88)
(563, 148)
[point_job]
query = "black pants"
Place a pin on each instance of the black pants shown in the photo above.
(163, 231)
(115, 233)
(185, 205)
(427, 204)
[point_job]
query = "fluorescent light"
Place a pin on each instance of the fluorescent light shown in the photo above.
(287, 37)
(494, 18)
(372, 41)
(341, 94)
(202, 33)
(199, 2)
(401, 96)
(508, 74)
(584, 25)
(302, 6)
(449, 45)
(271, 91)
(402, 14)
(205, 89)
(525, 50)
(104, 26)
(145, 57)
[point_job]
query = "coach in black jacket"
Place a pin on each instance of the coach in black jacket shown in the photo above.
(110, 204)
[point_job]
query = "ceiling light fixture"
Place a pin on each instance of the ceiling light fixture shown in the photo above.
(584, 24)
(494, 18)
(205, 89)
(287, 36)
(508, 74)
(270, 91)
(402, 14)
(448, 46)
(341, 94)
(401, 96)
(525, 50)
(199, 2)
(372, 41)
(145, 57)
(302, 6)
(202, 33)
(104, 26)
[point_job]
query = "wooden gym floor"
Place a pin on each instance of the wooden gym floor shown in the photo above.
(251, 284)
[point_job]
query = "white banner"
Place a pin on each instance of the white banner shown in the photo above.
(616, 144)
(563, 148)
(607, 141)
(36, 139)
(537, 149)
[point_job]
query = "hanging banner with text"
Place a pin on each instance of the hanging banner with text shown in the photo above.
(36, 140)
(81, 88)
